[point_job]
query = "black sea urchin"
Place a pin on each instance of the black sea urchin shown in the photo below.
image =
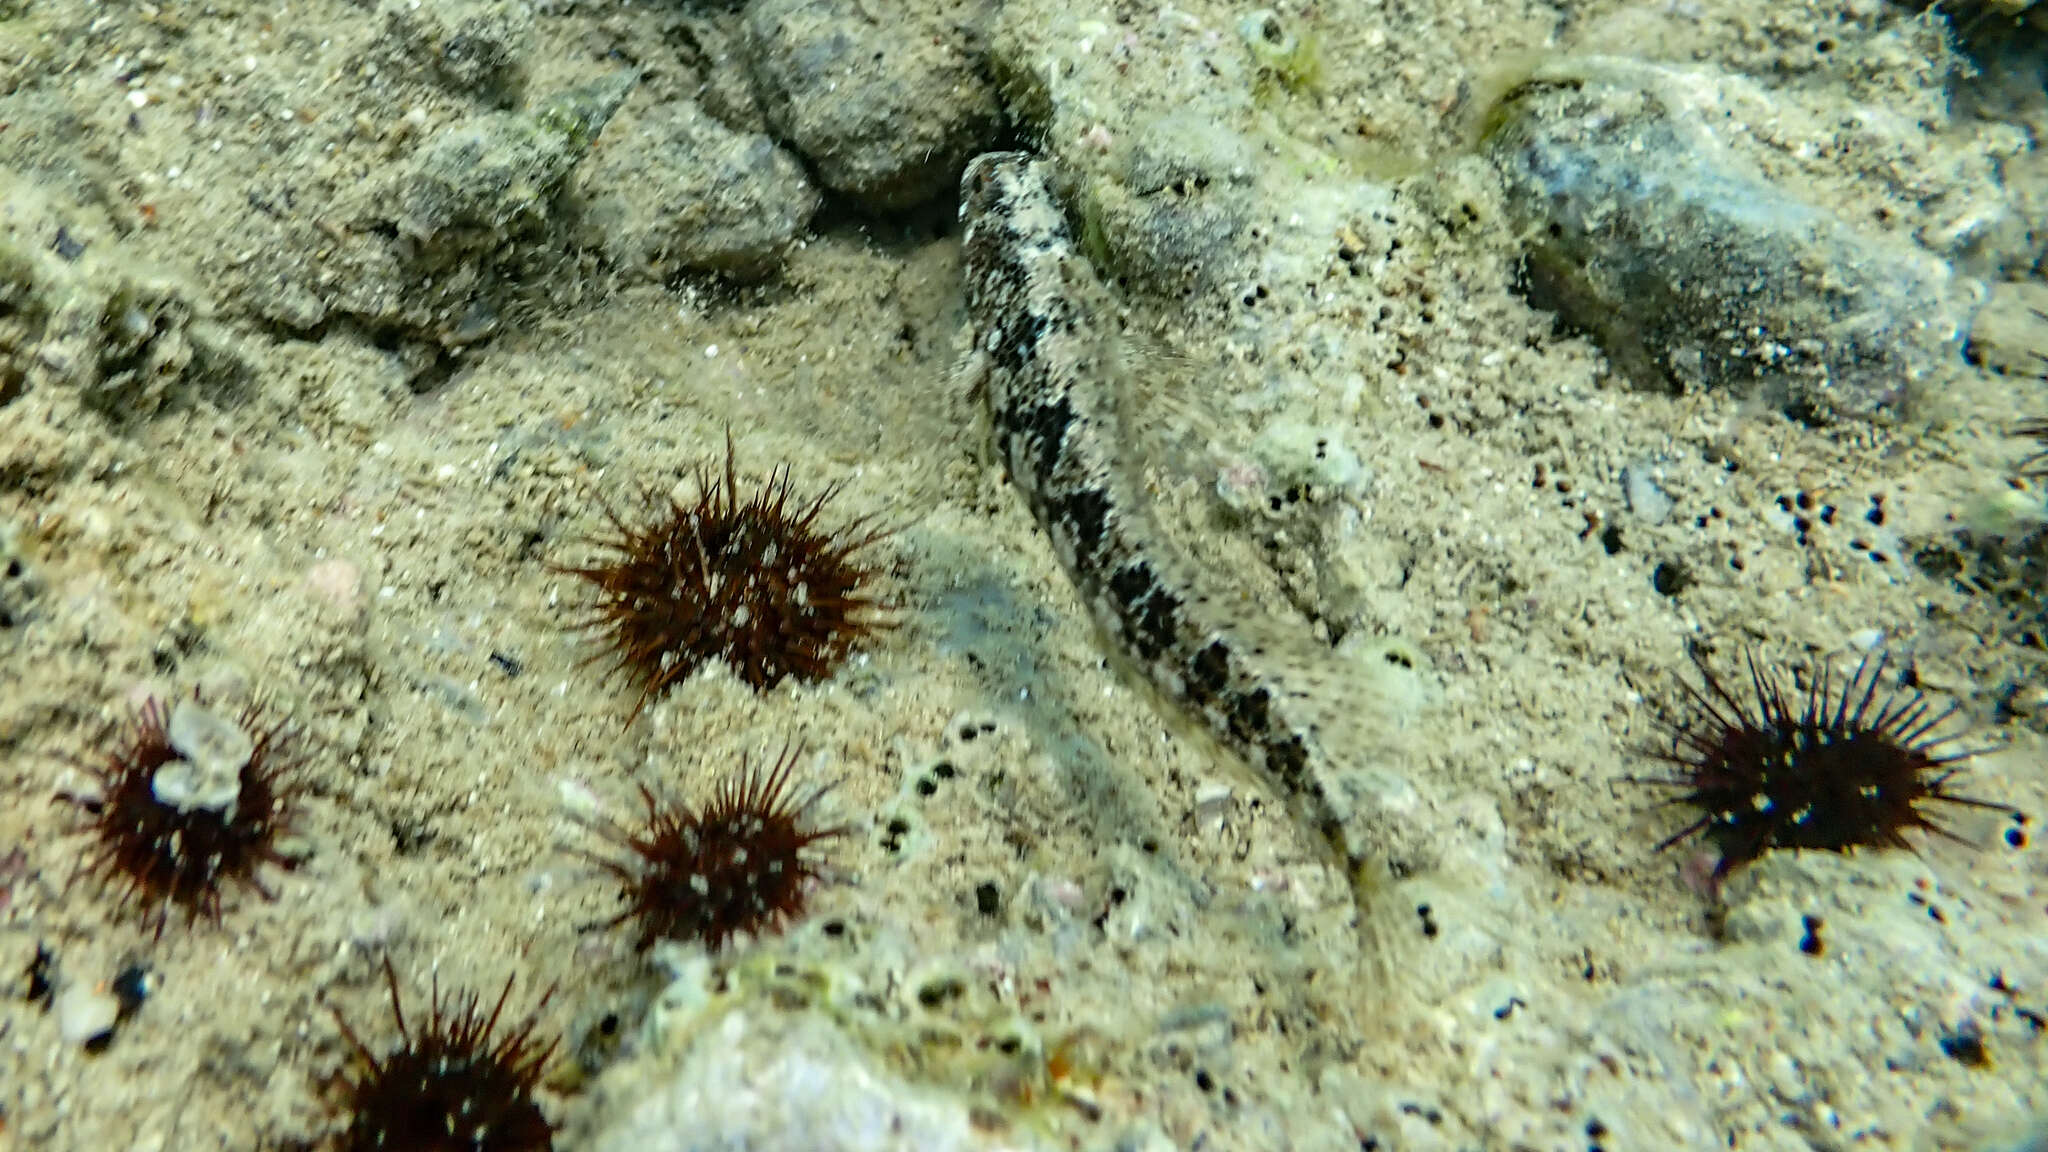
(1838, 767)
(755, 583)
(741, 864)
(453, 1086)
(190, 801)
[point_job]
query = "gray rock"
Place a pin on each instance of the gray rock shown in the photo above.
(715, 52)
(760, 1079)
(97, 318)
(1162, 175)
(19, 585)
(498, 174)
(2009, 335)
(430, 251)
(680, 189)
(885, 98)
(483, 50)
(132, 341)
(477, 47)
(1989, 26)
(1693, 270)
(1170, 221)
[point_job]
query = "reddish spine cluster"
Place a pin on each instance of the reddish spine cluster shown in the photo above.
(455, 1085)
(167, 856)
(740, 865)
(754, 582)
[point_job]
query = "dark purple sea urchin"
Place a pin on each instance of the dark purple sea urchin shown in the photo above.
(452, 1086)
(1838, 766)
(740, 864)
(176, 833)
(755, 583)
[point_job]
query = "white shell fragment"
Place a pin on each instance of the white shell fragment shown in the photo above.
(213, 750)
(84, 1015)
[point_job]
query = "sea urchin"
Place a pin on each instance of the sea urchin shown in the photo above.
(1840, 766)
(740, 864)
(453, 1086)
(191, 801)
(755, 583)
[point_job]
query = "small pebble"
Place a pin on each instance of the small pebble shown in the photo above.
(1645, 498)
(578, 801)
(339, 583)
(1212, 803)
(85, 1014)
(1786, 1079)
(2030, 700)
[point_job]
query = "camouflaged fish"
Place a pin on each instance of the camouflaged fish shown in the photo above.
(1045, 348)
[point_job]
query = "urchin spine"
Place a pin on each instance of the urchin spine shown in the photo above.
(455, 1081)
(737, 865)
(1839, 765)
(751, 582)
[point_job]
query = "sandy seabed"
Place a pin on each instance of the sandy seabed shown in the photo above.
(320, 516)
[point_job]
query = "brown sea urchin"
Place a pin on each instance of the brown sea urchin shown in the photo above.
(740, 864)
(753, 582)
(454, 1085)
(1838, 766)
(190, 802)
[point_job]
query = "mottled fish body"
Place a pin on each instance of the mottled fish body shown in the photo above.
(1047, 355)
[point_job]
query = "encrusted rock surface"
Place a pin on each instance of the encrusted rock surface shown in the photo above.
(1644, 226)
(762, 1079)
(677, 188)
(886, 98)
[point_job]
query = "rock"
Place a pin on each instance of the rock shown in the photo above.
(429, 254)
(99, 319)
(885, 98)
(1168, 219)
(482, 50)
(761, 1079)
(86, 1016)
(2010, 334)
(126, 344)
(498, 174)
(715, 50)
(475, 47)
(19, 585)
(1647, 229)
(702, 196)
(1988, 26)
(1163, 176)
